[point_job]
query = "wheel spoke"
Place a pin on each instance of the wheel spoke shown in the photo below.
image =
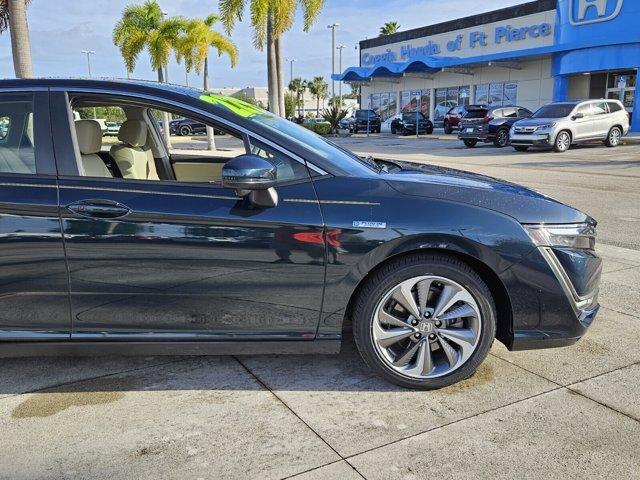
(449, 296)
(423, 294)
(403, 295)
(386, 338)
(449, 351)
(424, 360)
(407, 356)
(462, 311)
(388, 319)
(464, 337)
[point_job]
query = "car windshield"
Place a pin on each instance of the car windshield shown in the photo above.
(555, 110)
(411, 117)
(363, 114)
(281, 126)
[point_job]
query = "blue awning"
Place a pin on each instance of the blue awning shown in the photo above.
(431, 64)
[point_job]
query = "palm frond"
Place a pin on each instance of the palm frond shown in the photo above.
(311, 10)
(284, 13)
(231, 11)
(260, 11)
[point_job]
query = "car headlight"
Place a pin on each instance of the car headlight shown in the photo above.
(580, 236)
(546, 127)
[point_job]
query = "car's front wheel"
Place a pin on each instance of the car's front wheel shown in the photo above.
(563, 142)
(470, 143)
(424, 321)
(448, 129)
(614, 137)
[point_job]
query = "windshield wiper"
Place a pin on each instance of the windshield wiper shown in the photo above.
(369, 160)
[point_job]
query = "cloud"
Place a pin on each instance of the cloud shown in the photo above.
(56, 44)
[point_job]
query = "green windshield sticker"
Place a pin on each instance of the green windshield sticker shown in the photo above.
(238, 107)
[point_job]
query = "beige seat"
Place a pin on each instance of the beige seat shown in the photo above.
(89, 135)
(134, 159)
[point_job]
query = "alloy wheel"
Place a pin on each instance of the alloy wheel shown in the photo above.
(502, 139)
(614, 137)
(426, 327)
(563, 142)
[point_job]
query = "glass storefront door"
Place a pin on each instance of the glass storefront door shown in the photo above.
(622, 86)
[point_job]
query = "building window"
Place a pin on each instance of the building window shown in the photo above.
(497, 94)
(384, 104)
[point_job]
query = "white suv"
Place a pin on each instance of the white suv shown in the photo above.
(560, 125)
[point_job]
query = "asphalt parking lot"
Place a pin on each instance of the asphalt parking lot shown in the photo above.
(563, 413)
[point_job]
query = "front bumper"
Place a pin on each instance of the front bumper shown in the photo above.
(553, 303)
(531, 140)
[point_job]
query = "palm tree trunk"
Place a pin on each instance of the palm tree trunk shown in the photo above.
(272, 75)
(20, 43)
(317, 105)
(280, 76)
(165, 116)
(211, 140)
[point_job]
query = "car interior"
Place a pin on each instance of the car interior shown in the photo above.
(140, 152)
(16, 136)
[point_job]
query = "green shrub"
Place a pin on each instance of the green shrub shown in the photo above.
(319, 128)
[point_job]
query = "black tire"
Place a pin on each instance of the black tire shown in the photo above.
(405, 268)
(613, 137)
(502, 138)
(448, 129)
(429, 130)
(393, 130)
(184, 131)
(521, 148)
(470, 143)
(355, 130)
(562, 143)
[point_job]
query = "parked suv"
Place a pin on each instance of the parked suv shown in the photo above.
(560, 125)
(406, 124)
(367, 121)
(493, 127)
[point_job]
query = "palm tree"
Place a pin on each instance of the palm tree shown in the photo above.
(389, 28)
(194, 46)
(13, 15)
(270, 19)
(144, 27)
(318, 88)
(298, 86)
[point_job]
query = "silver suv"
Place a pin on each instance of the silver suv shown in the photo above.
(560, 125)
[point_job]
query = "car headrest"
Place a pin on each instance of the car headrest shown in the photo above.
(133, 132)
(89, 135)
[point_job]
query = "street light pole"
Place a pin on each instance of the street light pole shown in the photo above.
(290, 60)
(340, 47)
(333, 27)
(88, 53)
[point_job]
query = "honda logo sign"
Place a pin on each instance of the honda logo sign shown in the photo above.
(584, 12)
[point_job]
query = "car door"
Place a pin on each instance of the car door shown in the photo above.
(584, 127)
(34, 301)
(601, 119)
(165, 259)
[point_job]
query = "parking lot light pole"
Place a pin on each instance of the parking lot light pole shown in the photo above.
(88, 53)
(290, 60)
(333, 27)
(340, 48)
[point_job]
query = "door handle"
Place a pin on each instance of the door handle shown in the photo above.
(99, 209)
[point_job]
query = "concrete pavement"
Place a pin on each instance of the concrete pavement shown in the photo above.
(562, 413)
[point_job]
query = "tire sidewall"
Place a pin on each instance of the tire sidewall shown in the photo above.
(497, 142)
(556, 146)
(184, 131)
(437, 266)
(608, 142)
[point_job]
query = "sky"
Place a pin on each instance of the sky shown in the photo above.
(60, 29)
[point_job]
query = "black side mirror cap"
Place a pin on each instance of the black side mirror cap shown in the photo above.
(249, 172)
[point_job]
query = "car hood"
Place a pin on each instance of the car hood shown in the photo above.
(535, 122)
(523, 204)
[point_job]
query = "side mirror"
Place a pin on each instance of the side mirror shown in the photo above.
(577, 116)
(249, 172)
(253, 177)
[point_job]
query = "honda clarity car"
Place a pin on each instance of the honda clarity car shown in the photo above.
(280, 243)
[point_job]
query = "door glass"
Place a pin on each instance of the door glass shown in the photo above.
(599, 108)
(287, 168)
(585, 109)
(17, 153)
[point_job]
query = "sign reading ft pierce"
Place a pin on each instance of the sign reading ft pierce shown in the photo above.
(476, 39)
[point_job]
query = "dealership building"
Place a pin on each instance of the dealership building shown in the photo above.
(527, 55)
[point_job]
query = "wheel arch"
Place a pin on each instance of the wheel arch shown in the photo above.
(502, 301)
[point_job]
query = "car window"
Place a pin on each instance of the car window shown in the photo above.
(17, 152)
(555, 110)
(614, 107)
(585, 109)
(509, 113)
(599, 108)
(524, 113)
(288, 169)
(479, 113)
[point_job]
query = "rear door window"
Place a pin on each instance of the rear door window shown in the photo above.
(17, 143)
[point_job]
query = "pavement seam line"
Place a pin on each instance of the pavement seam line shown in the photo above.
(576, 392)
(318, 468)
(453, 422)
(266, 387)
(106, 375)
